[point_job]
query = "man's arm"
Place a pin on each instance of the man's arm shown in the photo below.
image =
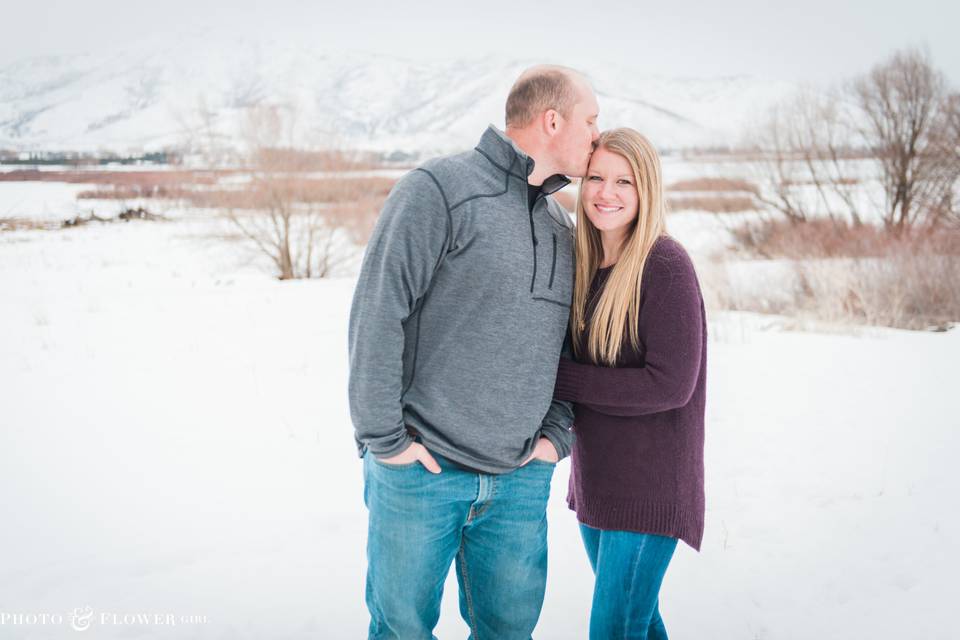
(405, 249)
(559, 419)
(556, 427)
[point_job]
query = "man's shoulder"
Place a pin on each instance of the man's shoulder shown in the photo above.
(450, 164)
(559, 213)
(436, 174)
(462, 176)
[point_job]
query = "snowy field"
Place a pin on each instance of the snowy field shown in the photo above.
(46, 201)
(175, 440)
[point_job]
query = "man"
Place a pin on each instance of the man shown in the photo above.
(456, 329)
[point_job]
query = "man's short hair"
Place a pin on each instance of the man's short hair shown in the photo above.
(537, 90)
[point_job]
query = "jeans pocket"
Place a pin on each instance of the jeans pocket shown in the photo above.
(543, 462)
(396, 467)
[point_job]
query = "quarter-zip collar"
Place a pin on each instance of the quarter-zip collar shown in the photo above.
(504, 154)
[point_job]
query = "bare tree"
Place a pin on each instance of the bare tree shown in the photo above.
(804, 169)
(948, 128)
(952, 120)
(204, 134)
(823, 141)
(280, 209)
(905, 109)
(776, 168)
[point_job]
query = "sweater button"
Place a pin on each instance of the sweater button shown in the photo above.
(535, 242)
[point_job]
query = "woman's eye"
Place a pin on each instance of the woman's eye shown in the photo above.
(594, 178)
(624, 181)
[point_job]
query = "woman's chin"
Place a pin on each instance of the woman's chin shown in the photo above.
(606, 225)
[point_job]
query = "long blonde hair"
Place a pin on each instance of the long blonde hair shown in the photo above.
(619, 305)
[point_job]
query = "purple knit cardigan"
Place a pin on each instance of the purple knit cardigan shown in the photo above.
(637, 462)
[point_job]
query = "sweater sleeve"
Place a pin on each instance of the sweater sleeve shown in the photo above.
(670, 327)
(556, 425)
(404, 251)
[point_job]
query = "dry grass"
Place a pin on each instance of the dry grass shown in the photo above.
(254, 194)
(298, 160)
(838, 272)
(824, 238)
(716, 195)
(713, 184)
(818, 238)
(359, 216)
(133, 179)
(712, 203)
(172, 192)
(260, 193)
(28, 224)
(902, 289)
(844, 182)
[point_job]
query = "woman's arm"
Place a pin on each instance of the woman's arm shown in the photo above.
(671, 328)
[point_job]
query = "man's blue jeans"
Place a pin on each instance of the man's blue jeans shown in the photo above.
(493, 526)
(629, 569)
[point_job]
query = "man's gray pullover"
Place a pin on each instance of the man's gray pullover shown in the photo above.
(460, 313)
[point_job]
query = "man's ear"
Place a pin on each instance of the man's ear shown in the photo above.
(551, 121)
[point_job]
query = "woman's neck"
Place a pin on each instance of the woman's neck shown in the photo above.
(612, 242)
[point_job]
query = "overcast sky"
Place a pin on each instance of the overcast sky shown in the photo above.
(815, 40)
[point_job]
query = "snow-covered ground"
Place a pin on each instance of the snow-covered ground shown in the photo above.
(41, 201)
(175, 440)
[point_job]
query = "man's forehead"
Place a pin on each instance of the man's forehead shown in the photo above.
(588, 103)
(586, 98)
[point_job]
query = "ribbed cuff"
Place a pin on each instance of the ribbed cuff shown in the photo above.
(562, 446)
(570, 381)
(672, 520)
(387, 447)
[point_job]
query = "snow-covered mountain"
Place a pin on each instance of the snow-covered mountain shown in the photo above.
(166, 92)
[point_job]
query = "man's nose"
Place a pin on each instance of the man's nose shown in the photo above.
(595, 133)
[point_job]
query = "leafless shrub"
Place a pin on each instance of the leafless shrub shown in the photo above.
(821, 238)
(79, 221)
(841, 272)
(305, 226)
(905, 289)
(359, 216)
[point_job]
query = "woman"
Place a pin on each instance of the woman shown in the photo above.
(637, 382)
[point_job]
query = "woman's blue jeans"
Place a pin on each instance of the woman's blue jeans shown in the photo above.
(493, 526)
(629, 569)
